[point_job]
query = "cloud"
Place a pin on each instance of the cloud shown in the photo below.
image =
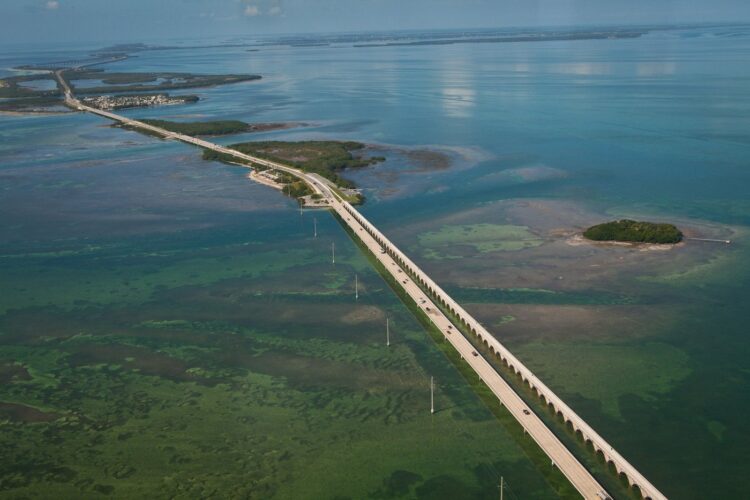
(52, 5)
(256, 8)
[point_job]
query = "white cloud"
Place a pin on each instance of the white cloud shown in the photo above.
(53, 5)
(256, 8)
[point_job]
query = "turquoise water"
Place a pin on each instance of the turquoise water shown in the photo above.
(656, 126)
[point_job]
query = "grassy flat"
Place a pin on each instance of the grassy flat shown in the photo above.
(482, 238)
(605, 371)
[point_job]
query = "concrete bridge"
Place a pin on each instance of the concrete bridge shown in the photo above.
(590, 436)
(437, 304)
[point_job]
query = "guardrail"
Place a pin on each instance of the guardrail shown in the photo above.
(635, 479)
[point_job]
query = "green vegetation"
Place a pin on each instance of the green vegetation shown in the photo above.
(31, 104)
(554, 478)
(537, 296)
(147, 82)
(612, 370)
(634, 231)
(125, 78)
(113, 83)
(101, 286)
(325, 158)
(218, 127)
(183, 395)
(10, 87)
(293, 186)
(211, 155)
(602, 472)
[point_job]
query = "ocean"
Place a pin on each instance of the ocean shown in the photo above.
(168, 327)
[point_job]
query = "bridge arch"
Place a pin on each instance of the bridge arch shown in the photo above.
(568, 416)
(612, 466)
(623, 477)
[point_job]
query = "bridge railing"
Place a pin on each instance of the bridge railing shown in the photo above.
(622, 466)
(635, 478)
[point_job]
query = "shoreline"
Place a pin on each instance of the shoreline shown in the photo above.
(254, 175)
(33, 113)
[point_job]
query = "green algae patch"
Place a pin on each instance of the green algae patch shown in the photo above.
(605, 372)
(446, 242)
(242, 388)
(69, 287)
(505, 320)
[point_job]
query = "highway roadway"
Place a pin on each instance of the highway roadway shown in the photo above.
(424, 293)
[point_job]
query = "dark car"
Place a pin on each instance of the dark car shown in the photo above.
(526, 412)
(474, 353)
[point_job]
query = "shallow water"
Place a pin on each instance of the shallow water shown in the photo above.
(172, 287)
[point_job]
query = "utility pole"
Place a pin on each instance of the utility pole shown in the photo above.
(315, 227)
(501, 487)
(356, 288)
(387, 333)
(432, 395)
(333, 253)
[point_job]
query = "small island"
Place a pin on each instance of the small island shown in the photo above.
(125, 101)
(631, 231)
(325, 158)
(217, 127)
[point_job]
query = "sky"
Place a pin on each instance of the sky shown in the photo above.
(25, 21)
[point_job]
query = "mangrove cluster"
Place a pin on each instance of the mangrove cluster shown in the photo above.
(627, 230)
(325, 158)
(220, 127)
(147, 82)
